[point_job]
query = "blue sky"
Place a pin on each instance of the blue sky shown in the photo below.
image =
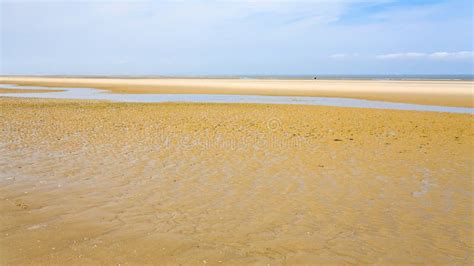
(236, 37)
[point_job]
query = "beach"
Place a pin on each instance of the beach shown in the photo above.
(434, 92)
(94, 182)
(261, 133)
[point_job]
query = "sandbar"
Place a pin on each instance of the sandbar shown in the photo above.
(441, 92)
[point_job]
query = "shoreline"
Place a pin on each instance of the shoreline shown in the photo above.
(442, 93)
(103, 95)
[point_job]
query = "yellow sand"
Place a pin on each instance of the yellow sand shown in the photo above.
(3, 90)
(88, 183)
(448, 93)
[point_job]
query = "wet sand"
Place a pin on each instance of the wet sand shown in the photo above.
(4, 90)
(442, 93)
(86, 182)
(104, 95)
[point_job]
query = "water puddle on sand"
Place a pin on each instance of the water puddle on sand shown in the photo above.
(96, 94)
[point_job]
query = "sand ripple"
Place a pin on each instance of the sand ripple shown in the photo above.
(122, 183)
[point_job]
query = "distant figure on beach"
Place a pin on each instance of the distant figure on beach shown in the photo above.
(315, 78)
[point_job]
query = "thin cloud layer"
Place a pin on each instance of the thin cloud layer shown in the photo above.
(463, 55)
(344, 56)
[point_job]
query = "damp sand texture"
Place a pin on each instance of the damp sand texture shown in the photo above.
(120, 183)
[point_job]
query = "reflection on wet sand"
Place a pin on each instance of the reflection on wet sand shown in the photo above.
(95, 94)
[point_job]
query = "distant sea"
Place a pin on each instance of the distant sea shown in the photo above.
(307, 77)
(363, 77)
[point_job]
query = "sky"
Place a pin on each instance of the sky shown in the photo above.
(236, 37)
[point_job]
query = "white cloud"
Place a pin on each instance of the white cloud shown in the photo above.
(344, 56)
(401, 55)
(457, 55)
(338, 56)
(436, 55)
(461, 55)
